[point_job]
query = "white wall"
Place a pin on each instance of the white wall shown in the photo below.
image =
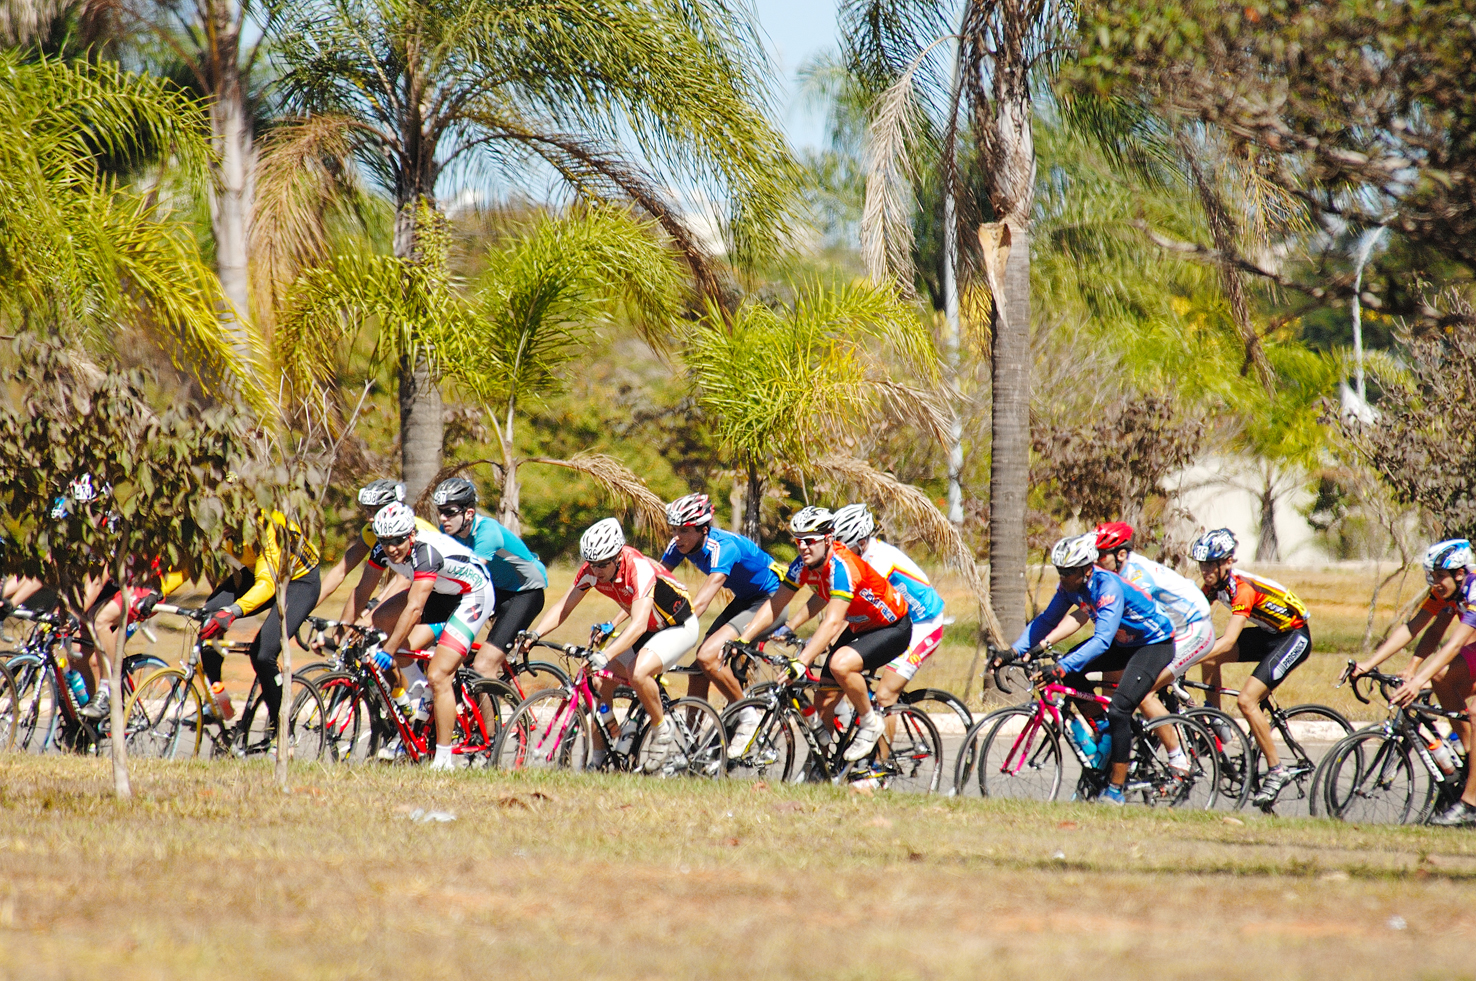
(1223, 492)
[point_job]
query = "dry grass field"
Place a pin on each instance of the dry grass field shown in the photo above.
(214, 873)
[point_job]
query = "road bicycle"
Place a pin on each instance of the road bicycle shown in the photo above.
(363, 721)
(559, 727)
(174, 715)
(908, 756)
(1015, 753)
(1389, 773)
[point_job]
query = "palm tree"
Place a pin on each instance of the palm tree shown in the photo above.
(410, 90)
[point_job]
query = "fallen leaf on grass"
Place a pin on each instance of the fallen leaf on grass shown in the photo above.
(512, 800)
(731, 841)
(879, 822)
(1068, 825)
(1232, 820)
(314, 791)
(789, 805)
(540, 795)
(761, 785)
(624, 807)
(914, 856)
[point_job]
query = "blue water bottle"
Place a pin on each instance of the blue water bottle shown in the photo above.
(1104, 743)
(78, 686)
(1084, 737)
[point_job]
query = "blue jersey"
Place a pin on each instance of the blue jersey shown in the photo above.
(750, 570)
(513, 565)
(1124, 614)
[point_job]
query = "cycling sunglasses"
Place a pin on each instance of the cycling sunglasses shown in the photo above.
(390, 541)
(451, 511)
(809, 539)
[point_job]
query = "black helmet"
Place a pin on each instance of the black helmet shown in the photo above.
(377, 493)
(456, 492)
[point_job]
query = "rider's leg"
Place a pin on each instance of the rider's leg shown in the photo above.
(514, 613)
(714, 668)
(460, 630)
(1138, 675)
(302, 596)
(1452, 686)
(1283, 653)
(225, 593)
(658, 651)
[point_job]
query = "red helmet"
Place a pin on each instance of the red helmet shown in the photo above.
(1113, 535)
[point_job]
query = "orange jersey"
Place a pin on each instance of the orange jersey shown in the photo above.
(1265, 602)
(1435, 606)
(874, 602)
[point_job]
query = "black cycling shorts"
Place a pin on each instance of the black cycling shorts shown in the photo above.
(511, 613)
(740, 613)
(1278, 653)
(439, 607)
(877, 648)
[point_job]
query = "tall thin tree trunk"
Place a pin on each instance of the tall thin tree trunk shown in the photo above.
(232, 190)
(1268, 546)
(422, 429)
(1009, 476)
(116, 720)
(753, 501)
(507, 509)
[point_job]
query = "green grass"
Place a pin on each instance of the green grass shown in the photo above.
(212, 872)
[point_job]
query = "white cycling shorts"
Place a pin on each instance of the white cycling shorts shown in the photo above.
(1191, 645)
(670, 644)
(927, 637)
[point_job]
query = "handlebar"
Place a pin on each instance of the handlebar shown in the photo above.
(1387, 683)
(181, 611)
(55, 619)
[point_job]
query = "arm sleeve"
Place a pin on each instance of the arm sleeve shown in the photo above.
(1109, 618)
(488, 540)
(1244, 601)
(791, 576)
(584, 578)
(265, 586)
(171, 581)
(1043, 624)
(428, 563)
(841, 586)
(723, 559)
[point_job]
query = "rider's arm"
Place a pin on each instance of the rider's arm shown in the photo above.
(362, 593)
(832, 622)
(640, 615)
(351, 558)
(1069, 625)
(1230, 637)
(558, 614)
(1430, 640)
(415, 599)
(709, 589)
(1459, 637)
(764, 615)
(1109, 618)
(1398, 638)
(1037, 629)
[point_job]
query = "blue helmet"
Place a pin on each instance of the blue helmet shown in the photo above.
(1454, 553)
(1213, 546)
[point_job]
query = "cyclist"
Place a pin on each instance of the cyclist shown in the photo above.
(372, 496)
(730, 561)
(1268, 625)
(448, 585)
(250, 588)
(1445, 571)
(661, 628)
(517, 574)
(106, 616)
(864, 622)
(1132, 634)
(1458, 677)
(855, 528)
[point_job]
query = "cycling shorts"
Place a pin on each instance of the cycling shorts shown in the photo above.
(927, 637)
(877, 647)
(1278, 654)
(460, 615)
(671, 644)
(1191, 645)
(739, 614)
(1469, 653)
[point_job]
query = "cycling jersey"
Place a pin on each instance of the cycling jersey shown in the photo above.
(750, 570)
(1181, 601)
(264, 557)
(513, 566)
(452, 566)
(923, 602)
(1465, 599)
(874, 603)
(637, 576)
(1124, 613)
(1435, 606)
(1264, 602)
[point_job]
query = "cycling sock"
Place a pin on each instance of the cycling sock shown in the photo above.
(413, 675)
(1178, 756)
(443, 753)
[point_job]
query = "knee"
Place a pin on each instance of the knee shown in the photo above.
(1246, 704)
(710, 656)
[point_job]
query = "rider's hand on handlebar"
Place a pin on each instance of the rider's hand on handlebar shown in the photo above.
(1053, 675)
(784, 635)
(796, 669)
(220, 621)
(1406, 694)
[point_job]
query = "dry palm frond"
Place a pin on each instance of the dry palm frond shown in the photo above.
(912, 508)
(622, 484)
(886, 217)
(423, 502)
(924, 409)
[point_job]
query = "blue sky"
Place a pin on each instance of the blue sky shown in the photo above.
(796, 30)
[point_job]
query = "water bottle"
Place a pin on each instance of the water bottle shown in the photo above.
(843, 713)
(1084, 737)
(604, 715)
(1104, 750)
(78, 686)
(1457, 748)
(1442, 754)
(627, 736)
(222, 700)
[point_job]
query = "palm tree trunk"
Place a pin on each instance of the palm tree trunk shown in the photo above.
(753, 500)
(232, 190)
(422, 430)
(121, 784)
(507, 510)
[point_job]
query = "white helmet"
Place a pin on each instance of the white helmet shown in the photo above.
(602, 541)
(853, 523)
(394, 520)
(1454, 553)
(811, 521)
(1075, 551)
(689, 511)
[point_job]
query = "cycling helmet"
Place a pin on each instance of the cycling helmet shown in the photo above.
(602, 541)
(1454, 553)
(1075, 551)
(457, 492)
(81, 489)
(852, 524)
(694, 509)
(811, 521)
(1213, 546)
(378, 493)
(394, 520)
(1114, 535)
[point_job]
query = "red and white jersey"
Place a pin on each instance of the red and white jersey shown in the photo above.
(440, 557)
(636, 576)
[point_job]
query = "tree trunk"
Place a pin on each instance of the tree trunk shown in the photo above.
(753, 501)
(1268, 547)
(232, 189)
(422, 429)
(116, 721)
(507, 510)
(1009, 476)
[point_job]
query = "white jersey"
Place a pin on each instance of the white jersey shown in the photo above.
(1181, 601)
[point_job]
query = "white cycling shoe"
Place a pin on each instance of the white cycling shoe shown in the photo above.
(661, 744)
(868, 731)
(748, 721)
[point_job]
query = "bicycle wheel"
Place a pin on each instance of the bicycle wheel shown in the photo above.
(307, 725)
(1317, 724)
(909, 757)
(1233, 755)
(38, 703)
(9, 709)
(769, 753)
(1019, 758)
(312, 669)
(162, 719)
(699, 746)
(346, 712)
(547, 731)
(1159, 784)
(968, 752)
(535, 676)
(942, 704)
(1371, 779)
(487, 706)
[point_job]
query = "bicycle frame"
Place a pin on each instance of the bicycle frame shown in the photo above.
(1049, 702)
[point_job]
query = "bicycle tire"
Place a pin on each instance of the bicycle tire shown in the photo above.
(951, 704)
(1022, 765)
(312, 669)
(38, 703)
(486, 707)
(1371, 779)
(9, 709)
(699, 744)
(348, 729)
(1235, 755)
(769, 754)
(909, 756)
(1307, 781)
(534, 676)
(968, 751)
(306, 725)
(163, 717)
(1149, 762)
(548, 730)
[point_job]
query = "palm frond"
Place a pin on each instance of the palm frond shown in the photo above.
(623, 486)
